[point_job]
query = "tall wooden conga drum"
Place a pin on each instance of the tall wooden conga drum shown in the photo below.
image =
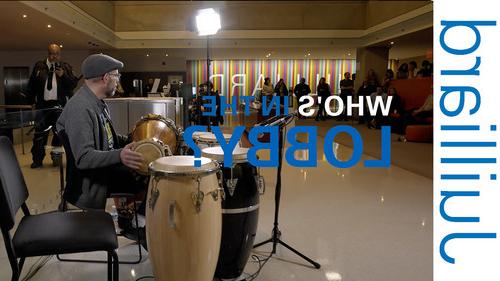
(183, 218)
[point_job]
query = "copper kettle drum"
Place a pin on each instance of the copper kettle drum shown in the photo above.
(154, 126)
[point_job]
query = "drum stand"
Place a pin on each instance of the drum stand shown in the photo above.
(276, 237)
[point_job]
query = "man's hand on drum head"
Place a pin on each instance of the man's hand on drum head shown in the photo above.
(131, 158)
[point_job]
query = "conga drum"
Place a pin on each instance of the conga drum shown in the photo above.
(151, 150)
(208, 139)
(183, 218)
(240, 211)
(154, 126)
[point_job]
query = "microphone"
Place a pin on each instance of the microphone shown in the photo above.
(278, 120)
(284, 120)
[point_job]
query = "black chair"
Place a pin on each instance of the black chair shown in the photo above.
(50, 233)
(70, 164)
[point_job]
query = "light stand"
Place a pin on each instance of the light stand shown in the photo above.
(208, 23)
(208, 81)
(281, 121)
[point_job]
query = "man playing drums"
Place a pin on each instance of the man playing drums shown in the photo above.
(102, 159)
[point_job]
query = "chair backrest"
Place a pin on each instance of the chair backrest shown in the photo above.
(72, 188)
(70, 159)
(13, 190)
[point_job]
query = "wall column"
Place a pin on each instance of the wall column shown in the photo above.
(371, 57)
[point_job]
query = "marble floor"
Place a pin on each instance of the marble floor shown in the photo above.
(360, 224)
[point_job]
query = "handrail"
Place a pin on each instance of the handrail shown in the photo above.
(20, 107)
(16, 106)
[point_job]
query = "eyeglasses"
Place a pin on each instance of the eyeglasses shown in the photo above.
(117, 75)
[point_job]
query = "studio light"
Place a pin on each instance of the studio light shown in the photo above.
(207, 22)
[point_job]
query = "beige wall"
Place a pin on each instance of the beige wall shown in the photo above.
(380, 11)
(103, 11)
(136, 61)
(371, 57)
(243, 15)
(240, 16)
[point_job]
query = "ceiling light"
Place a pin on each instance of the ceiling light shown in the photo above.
(349, 54)
(207, 22)
(49, 26)
(25, 16)
(166, 55)
(308, 54)
(392, 42)
(60, 46)
(147, 55)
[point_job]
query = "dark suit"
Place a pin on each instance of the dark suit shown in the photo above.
(301, 90)
(323, 93)
(46, 115)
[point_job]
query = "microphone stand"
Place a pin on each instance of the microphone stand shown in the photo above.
(281, 121)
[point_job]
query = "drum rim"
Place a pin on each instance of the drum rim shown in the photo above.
(198, 137)
(158, 144)
(205, 172)
(243, 158)
(158, 117)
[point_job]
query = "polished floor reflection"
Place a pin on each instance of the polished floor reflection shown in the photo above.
(360, 224)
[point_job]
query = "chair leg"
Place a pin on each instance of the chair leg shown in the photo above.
(21, 264)
(110, 267)
(15, 276)
(116, 264)
(14, 265)
(139, 244)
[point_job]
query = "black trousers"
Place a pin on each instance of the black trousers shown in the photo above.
(321, 110)
(127, 181)
(45, 120)
(299, 103)
(343, 115)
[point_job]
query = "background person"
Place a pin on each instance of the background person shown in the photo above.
(300, 90)
(323, 90)
(346, 90)
(50, 85)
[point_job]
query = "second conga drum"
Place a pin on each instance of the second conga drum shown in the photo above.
(208, 139)
(183, 218)
(240, 211)
(150, 150)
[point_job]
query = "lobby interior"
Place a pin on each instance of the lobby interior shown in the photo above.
(359, 223)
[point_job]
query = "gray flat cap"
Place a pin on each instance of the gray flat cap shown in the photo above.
(99, 64)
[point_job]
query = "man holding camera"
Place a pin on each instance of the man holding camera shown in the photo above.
(51, 84)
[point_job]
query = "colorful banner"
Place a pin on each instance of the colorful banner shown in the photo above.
(245, 77)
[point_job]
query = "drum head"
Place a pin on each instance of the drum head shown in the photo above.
(182, 165)
(216, 153)
(211, 138)
(154, 126)
(150, 150)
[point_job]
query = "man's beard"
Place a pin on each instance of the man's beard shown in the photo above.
(110, 93)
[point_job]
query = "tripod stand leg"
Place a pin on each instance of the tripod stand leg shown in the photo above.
(262, 243)
(315, 264)
(275, 239)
